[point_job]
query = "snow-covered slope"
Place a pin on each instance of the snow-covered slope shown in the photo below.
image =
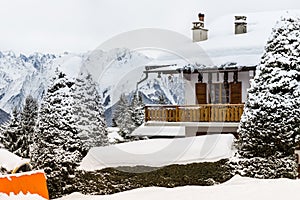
(160, 152)
(235, 189)
(23, 75)
(3, 116)
(169, 87)
(20, 76)
(20, 196)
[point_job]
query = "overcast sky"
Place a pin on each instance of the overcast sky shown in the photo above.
(55, 26)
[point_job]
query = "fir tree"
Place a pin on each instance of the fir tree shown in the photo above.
(11, 132)
(57, 148)
(137, 110)
(123, 117)
(269, 128)
(161, 99)
(28, 118)
(1, 135)
(89, 112)
(17, 134)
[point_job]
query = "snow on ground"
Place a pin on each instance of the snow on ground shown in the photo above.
(20, 196)
(235, 189)
(10, 161)
(160, 152)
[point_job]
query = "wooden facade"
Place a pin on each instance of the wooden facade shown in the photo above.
(194, 113)
(217, 96)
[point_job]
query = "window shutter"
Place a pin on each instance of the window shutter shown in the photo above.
(235, 90)
(201, 93)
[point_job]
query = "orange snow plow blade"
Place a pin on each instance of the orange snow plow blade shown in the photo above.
(33, 182)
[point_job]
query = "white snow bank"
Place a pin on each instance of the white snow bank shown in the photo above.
(10, 161)
(21, 196)
(235, 189)
(160, 152)
(113, 135)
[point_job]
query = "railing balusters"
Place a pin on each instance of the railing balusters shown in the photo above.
(194, 113)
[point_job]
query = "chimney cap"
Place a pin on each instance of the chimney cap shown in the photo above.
(240, 18)
(201, 15)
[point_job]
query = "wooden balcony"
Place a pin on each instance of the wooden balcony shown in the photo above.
(194, 113)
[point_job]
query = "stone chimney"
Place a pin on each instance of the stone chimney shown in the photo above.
(199, 32)
(240, 25)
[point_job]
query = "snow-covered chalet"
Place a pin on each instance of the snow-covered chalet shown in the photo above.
(214, 94)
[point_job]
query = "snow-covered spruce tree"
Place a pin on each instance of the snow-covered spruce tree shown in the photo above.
(57, 146)
(88, 112)
(123, 117)
(270, 124)
(137, 109)
(11, 132)
(17, 134)
(1, 135)
(162, 99)
(28, 118)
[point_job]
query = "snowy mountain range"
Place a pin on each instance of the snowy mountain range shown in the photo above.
(22, 75)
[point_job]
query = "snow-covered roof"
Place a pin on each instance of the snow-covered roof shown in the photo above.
(10, 161)
(223, 47)
(160, 152)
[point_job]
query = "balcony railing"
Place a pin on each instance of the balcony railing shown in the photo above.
(194, 113)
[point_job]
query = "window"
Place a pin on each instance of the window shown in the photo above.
(218, 93)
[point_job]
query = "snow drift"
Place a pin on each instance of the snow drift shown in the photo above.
(235, 189)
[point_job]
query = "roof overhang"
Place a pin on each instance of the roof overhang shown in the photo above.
(172, 69)
(216, 69)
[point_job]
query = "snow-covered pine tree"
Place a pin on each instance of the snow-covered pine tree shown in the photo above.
(57, 147)
(137, 109)
(11, 132)
(1, 135)
(123, 117)
(28, 118)
(89, 112)
(17, 134)
(269, 128)
(162, 99)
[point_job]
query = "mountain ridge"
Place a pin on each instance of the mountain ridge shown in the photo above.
(23, 75)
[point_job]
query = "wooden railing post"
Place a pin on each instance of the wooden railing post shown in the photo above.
(227, 114)
(177, 118)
